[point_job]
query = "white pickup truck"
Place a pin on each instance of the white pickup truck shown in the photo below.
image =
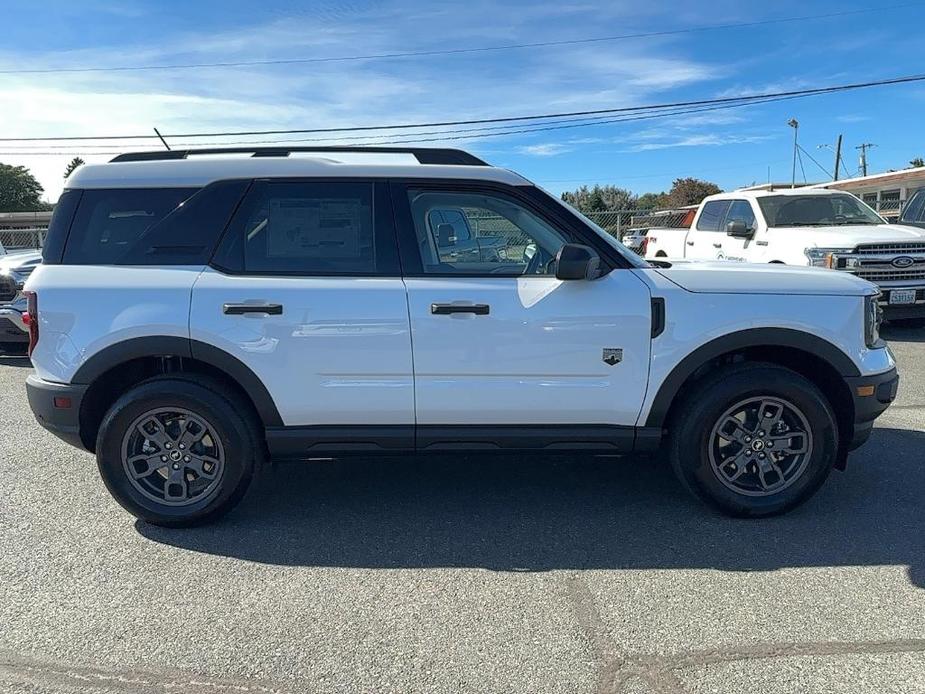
(806, 226)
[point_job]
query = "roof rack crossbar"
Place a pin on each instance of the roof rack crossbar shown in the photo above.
(424, 155)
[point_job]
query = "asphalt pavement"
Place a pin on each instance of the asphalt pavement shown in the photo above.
(465, 574)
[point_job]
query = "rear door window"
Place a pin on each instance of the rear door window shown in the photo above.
(915, 208)
(712, 215)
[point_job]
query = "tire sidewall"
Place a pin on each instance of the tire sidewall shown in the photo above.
(693, 461)
(227, 424)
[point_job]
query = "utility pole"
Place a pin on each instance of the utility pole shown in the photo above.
(862, 159)
(795, 124)
(837, 156)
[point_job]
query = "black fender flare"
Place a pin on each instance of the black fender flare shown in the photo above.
(172, 346)
(753, 337)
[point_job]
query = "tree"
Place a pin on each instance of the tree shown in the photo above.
(599, 199)
(19, 191)
(72, 166)
(690, 191)
(652, 201)
(918, 161)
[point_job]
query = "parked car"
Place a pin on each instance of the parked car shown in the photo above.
(196, 316)
(913, 212)
(635, 240)
(814, 227)
(15, 268)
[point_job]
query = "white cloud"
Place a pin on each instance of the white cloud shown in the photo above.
(323, 95)
(547, 149)
(705, 140)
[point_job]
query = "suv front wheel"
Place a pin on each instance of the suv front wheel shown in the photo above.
(176, 453)
(753, 439)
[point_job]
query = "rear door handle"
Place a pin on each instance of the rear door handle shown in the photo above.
(241, 309)
(448, 309)
(690, 243)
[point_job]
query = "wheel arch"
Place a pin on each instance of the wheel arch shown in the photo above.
(113, 370)
(818, 360)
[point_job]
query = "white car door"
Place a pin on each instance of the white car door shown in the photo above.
(306, 291)
(705, 239)
(735, 248)
(505, 354)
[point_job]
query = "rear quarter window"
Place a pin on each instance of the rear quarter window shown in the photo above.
(155, 226)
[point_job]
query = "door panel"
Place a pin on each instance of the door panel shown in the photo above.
(307, 293)
(536, 357)
(338, 353)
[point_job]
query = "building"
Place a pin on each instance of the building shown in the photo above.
(885, 192)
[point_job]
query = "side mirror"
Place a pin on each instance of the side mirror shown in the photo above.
(737, 230)
(577, 262)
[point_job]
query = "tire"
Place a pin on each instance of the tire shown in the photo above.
(142, 464)
(750, 392)
(910, 323)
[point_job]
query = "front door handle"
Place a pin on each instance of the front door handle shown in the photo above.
(241, 309)
(717, 245)
(448, 309)
(690, 243)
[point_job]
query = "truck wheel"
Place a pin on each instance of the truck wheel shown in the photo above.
(178, 453)
(753, 440)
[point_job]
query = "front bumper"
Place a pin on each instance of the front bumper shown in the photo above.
(872, 396)
(56, 407)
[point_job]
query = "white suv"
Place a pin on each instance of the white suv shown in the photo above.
(198, 313)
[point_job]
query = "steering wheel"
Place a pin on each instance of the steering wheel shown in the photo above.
(539, 263)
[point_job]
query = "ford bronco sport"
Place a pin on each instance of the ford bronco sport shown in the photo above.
(198, 313)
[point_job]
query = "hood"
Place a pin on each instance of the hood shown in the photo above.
(850, 235)
(20, 262)
(723, 277)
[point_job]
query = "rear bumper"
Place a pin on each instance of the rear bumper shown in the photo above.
(882, 388)
(56, 407)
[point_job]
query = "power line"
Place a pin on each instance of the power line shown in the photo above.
(479, 121)
(813, 160)
(459, 51)
(438, 135)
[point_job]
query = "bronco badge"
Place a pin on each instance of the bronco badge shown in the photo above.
(612, 355)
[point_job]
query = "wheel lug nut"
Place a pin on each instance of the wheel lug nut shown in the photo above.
(176, 466)
(167, 446)
(748, 439)
(761, 455)
(163, 458)
(182, 446)
(186, 459)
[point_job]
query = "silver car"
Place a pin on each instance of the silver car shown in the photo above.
(15, 268)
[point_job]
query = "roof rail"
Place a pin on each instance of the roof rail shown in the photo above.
(424, 155)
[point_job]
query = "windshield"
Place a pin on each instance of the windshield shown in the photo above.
(816, 210)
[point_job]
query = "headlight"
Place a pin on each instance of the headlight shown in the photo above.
(821, 257)
(873, 315)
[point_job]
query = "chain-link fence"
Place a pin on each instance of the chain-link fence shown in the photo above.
(21, 239)
(619, 223)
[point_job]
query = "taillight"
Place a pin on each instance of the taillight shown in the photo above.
(31, 319)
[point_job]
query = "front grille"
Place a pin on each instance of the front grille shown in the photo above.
(891, 248)
(7, 288)
(880, 275)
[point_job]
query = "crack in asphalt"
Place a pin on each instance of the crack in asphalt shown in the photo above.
(659, 672)
(31, 671)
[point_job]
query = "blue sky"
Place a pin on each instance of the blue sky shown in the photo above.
(732, 148)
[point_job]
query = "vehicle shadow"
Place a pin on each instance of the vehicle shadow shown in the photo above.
(14, 360)
(893, 333)
(520, 514)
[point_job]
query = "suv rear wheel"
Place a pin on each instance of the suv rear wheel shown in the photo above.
(753, 440)
(177, 453)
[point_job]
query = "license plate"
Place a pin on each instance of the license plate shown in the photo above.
(902, 296)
